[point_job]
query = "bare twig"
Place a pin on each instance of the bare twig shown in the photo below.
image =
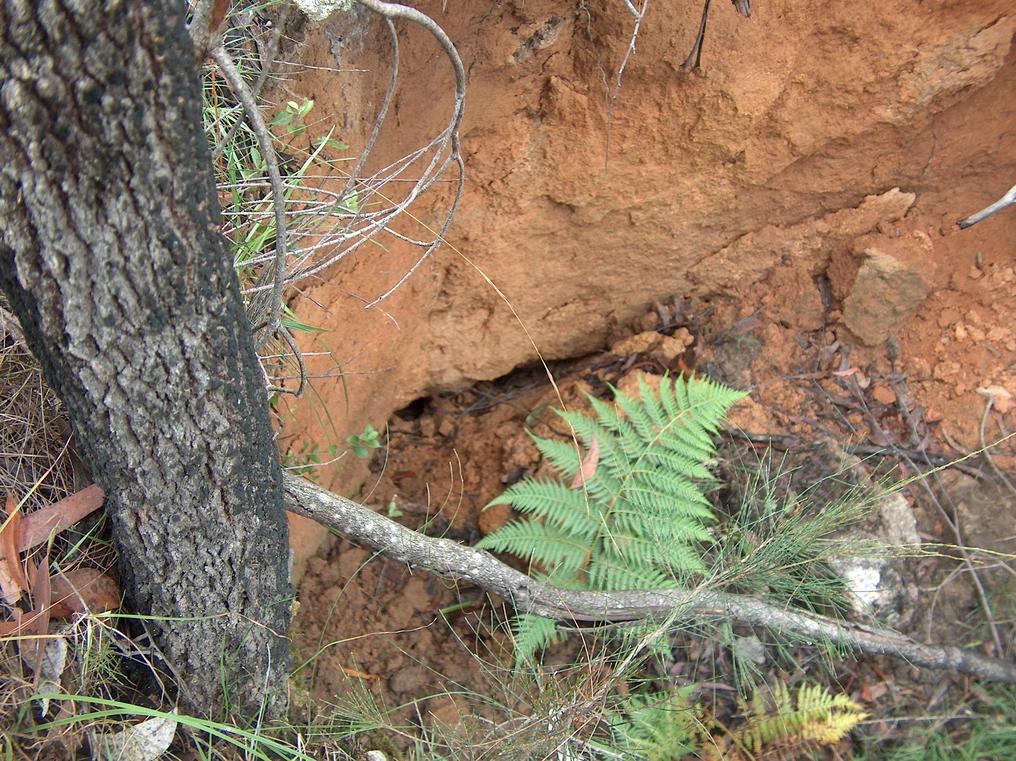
(639, 14)
(396, 11)
(985, 449)
(382, 112)
(448, 558)
(1009, 199)
(272, 314)
(901, 399)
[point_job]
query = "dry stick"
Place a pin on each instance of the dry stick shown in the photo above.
(612, 102)
(264, 137)
(988, 405)
(381, 114)
(1009, 199)
(902, 391)
(393, 11)
(457, 561)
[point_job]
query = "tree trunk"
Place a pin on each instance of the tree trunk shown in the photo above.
(112, 258)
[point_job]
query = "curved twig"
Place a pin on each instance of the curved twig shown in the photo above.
(639, 14)
(1009, 199)
(382, 113)
(396, 11)
(264, 138)
(448, 558)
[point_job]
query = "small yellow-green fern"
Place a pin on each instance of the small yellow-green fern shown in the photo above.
(638, 513)
(784, 722)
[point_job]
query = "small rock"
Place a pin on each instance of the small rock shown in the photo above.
(750, 649)
(640, 343)
(446, 427)
(649, 321)
(883, 394)
(883, 295)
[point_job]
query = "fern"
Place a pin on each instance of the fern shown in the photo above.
(639, 511)
(657, 727)
(663, 727)
(784, 723)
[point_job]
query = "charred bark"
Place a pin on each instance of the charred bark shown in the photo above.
(111, 256)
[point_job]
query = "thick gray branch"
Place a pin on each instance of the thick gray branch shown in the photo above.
(457, 561)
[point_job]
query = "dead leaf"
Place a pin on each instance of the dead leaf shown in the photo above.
(12, 574)
(51, 667)
(22, 626)
(38, 525)
(872, 692)
(358, 674)
(84, 590)
(33, 650)
(145, 741)
(588, 467)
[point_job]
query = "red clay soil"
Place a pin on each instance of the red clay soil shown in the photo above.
(798, 196)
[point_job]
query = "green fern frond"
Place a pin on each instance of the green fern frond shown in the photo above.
(533, 634)
(555, 502)
(639, 513)
(563, 455)
(553, 548)
(657, 727)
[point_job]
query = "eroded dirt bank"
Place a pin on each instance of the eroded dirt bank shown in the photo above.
(809, 175)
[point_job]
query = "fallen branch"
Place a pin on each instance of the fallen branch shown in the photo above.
(457, 561)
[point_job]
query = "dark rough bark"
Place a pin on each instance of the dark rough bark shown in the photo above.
(111, 256)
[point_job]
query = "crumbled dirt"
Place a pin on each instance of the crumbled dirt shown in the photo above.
(394, 639)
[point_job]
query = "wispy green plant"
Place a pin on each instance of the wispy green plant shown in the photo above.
(630, 508)
(778, 544)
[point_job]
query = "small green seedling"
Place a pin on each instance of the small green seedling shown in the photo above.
(292, 117)
(364, 442)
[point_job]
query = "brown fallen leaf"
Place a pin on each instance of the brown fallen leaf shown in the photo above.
(38, 525)
(32, 650)
(588, 467)
(12, 574)
(24, 624)
(84, 590)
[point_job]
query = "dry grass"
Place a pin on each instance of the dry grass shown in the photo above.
(35, 434)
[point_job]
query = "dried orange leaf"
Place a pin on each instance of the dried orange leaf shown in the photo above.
(12, 574)
(588, 467)
(33, 650)
(21, 626)
(37, 526)
(84, 590)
